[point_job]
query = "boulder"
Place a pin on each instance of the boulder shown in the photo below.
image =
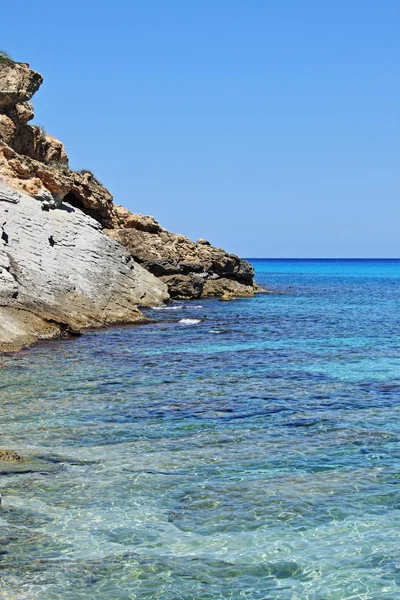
(227, 289)
(51, 151)
(33, 142)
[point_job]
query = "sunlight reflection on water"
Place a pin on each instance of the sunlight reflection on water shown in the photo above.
(168, 462)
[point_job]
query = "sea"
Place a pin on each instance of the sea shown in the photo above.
(227, 450)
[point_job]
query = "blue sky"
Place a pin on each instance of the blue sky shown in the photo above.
(269, 127)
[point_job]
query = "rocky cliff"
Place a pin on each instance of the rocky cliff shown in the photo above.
(35, 162)
(69, 257)
(189, 269)
(58, 271)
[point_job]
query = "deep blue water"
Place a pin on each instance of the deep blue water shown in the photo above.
(231, 450)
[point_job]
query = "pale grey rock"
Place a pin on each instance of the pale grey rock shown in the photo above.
(47, 199)
(59, 266)
(8, 194)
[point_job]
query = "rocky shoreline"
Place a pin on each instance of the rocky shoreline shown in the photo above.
(69, 257)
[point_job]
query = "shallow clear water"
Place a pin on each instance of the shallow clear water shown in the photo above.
(254, 454)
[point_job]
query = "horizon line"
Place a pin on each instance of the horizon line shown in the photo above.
(318, 258)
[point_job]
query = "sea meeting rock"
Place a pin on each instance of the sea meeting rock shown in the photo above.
(185, 266)
(59, 270)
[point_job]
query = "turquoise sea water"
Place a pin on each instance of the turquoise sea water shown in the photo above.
(242, 450)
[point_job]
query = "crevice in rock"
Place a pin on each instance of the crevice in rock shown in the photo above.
(51, 241)
(4, 237)
(76, 202)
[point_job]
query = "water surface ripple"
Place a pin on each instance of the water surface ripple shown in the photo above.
(236, 450)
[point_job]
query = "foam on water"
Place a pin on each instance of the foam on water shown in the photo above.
(178, 307)
(172, 463)
(173, 307)
(190, 321)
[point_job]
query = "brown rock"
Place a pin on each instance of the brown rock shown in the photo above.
(80, 189)
(189, 269)
(51, 151)
(18, 83)
(227, 289)
(36, 163)
(33, 142)
(10, 456)
(123, 218)
(184, 286)
(163, 247)
(7, 129)
(24, 112)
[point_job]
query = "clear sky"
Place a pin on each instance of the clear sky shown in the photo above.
(269, 127)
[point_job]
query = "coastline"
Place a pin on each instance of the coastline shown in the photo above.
(259, 439)
(72, 259)
(48, 332)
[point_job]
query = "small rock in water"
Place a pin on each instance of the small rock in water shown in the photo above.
(10, 456)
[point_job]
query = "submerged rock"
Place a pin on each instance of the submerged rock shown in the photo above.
(10, 456)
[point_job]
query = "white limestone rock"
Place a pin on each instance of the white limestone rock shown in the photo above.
(59, 266)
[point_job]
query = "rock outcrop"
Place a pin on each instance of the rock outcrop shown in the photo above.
(59, 272)
(189, 269)
(18, 82)
(69, 257)
(35, 162)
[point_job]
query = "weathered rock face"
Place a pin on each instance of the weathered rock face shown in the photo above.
(35, 162)
(59, 271)
(18, 83)
(185, 266)
(184, 286)
(41, 180)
